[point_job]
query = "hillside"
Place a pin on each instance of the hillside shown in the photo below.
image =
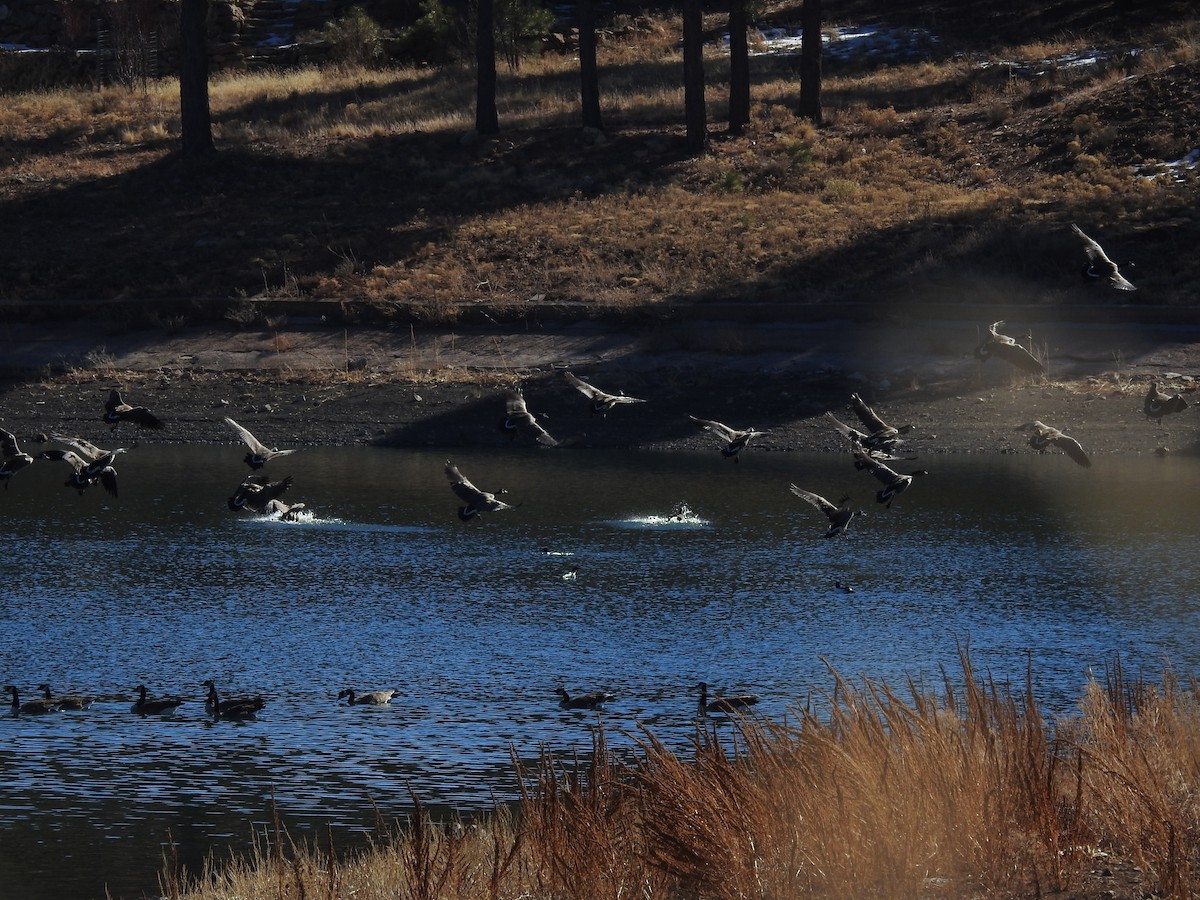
(936, 180)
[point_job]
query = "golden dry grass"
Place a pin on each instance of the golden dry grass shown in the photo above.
(936, 180)
(871, 792)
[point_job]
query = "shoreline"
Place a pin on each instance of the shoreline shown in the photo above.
(446, 387)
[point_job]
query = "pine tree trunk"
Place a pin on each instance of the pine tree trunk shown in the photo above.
(487, 120)
(589, 76)
(810, 62)
(195, 118)
(693, 77)
(739, 68)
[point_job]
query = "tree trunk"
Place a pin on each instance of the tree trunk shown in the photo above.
(739, 68)
(195, 118)
(693, 77)
(487, 120)
(810, 62)
(589, 77)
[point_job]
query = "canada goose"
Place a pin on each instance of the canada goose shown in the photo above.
(30, 707)
(1099, 265)
(517, 416)
(1042, 437)
(366, 698)
(232, 707)
(65, 702)
(735, 440)
(257, 491)
(894, 484)
(877, 447)
(880, 432)
(583, 701)
(839, 516)
(260, 454)
(723, 703)
(90, 463)
(1158, 403)
(287, 512)
(476, 501)
(1006, 348)
(12, 460)
(117, 411)
(843, 587)
(146, 707)
(601, 401)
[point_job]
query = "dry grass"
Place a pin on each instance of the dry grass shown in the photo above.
(931, 179)
(963, 792)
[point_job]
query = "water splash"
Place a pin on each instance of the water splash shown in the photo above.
(681, 517)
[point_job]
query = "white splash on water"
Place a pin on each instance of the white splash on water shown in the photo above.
(682, 517)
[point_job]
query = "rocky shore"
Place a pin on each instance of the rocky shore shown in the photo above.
(312, 384)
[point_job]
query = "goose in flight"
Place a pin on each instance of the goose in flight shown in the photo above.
(90, 463)
(1006, 348)
(879, 431)
(475, 501)
(876, 448)
(735, 439)
(894, 483)
(12, 460)
(601, 401)
(117, 411)
(1042, 437)
(366, 698)
(517, 417)
(723, 703)
(257, 492)
(839, 516)
(1159, 403)
(592, 700)
(1099, 265)
(259, 453)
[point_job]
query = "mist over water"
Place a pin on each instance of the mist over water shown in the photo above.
(686, 567)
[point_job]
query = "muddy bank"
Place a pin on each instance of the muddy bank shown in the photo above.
(309, 385)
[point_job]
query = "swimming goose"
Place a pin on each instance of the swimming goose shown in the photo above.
(583, 701)
(476, 501)
(117, 411)
(894, 484)
(231, 707)
(735, 440)
(256, 492)
(880, 432)
(65, 702)
(839, 516)
(517, 416)
(366, 698)
(147, 707)
(843, 587)
(601, 401)
(12, 460)
(724, 703)
(30, 707)
(1158, 403)
(260, 454)
(1042, 437)
(1099, 265)
(1006, 348)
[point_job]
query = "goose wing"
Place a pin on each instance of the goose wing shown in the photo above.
(1006, 348)
(118, 409)
(255, 445)
(469, 494)
(8, 445)
(519, 414)
(851, 434)
(882, 472)
(88, 451)
(70, 457)
(867, 416)
(816, 500)
(722, 431)
(1071, 447)
(1098, 257)
(589, 391)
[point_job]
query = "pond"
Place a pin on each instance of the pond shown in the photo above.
(687, 567)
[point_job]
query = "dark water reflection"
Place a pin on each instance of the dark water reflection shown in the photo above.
(1029, 559)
